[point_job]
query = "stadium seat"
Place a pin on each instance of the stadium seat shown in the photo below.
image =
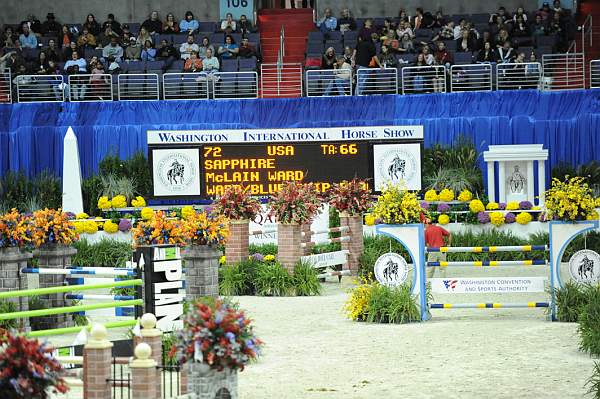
(247, 64)
(480, 18)
(463, 58)
(350, 36)
(217, 38)
(314, 48)
(136, 67)
(315, 36)
(450, 45)
(334, 36)
(164, 36)
(229, 65)
(207, 26)
(177, 66)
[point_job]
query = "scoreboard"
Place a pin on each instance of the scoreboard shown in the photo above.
(203, 170)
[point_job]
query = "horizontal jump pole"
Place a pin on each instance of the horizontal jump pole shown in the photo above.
(340, 229)
(77, 272)
(101, 268)
(70, 288)
(326, 241)
(336, 273)
(77, 329)
(69, 309)
(488, 305)
(490, 263)
(506, 248)
(100, 297)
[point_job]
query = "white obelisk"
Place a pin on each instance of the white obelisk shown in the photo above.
(72, 201)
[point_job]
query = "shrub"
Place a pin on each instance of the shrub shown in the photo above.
(265, 249)
(104, 253)
(238, 279)
(594, 382)
(392, 305)
(8, 307)
(570, 300)
(272, 279)
(589, 322)
(306, 280)
(91, 190)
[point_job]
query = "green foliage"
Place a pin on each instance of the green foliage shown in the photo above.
(588, 240)
(8, 307)
(104, 253)
(47, 188)
(78, 318)
(334, 221)
(272, 279)
(238, 279)
(570, 301)
(589, 322)
(324, 248)
(36, 303)
(392, 304)
(590, 170)
(456, 179)
(306, 280)
(135, 169)
(169, 339)
(91, 190)
(113, 185)
(18, 191)
(265, 249)
(594, 382)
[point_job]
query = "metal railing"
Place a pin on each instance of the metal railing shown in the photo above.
(281, 80)
(518, 76)
(40, 88)
(563, 71)
(186, 85)
(139, 86)
(370, 81)
(595, 74)
(229, 85)
(5, 86)
(423, 79)
(90, 88)
(586, 31)
(471, 77)
(328, 82)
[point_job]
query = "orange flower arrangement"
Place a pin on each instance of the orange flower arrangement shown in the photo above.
(159, 230)
(207, 229)
(52, 226)
(15, 230)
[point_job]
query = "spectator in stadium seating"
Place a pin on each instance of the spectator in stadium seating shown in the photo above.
(387, 25)
(244, 25)
(228, 25)
(429, 58)
(8, 38)
(520, 13)
(125, 32)
(166, 53)
(346, 21)
(367, 30)
(438, 21)
(520, 28)
(41, 65)
(487, 54)
(466, 43)
(418, 19)
(506, 54)
(556, 7)
(11, 60)
(404, 27)
(385, 58)
(205, 46)
(472, 31)
(92, 25)
(53, 52)
(68, 51)
(538, 27)
(499, 16)
(153, 25)
(502, 37)
(545, 12)
(459, 28)
(113, 50)
(230, 49)
(75, 60)
(442, 55)
(33, 24)
(446, 33)
(193, 64)
(50, 26)
(532, 69)
(210, 64)
(27, 39)
(328, 23)
(406, 44)
(66, 37)
(188, 24)
(363, 54)
(186, 48)
(143, 36)
(486, 37)
(99, 84)
(389, 39)
(92, 63)
(328, 59)
(105, 38)
(113, 23)
(305, 3)
(403, 16)
(342, 75)
(148, 52)
(86, 39)
(349, 56)
(133, 52)
(170, 25)
(247, 50)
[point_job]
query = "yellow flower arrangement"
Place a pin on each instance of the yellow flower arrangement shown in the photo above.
(82, 215)
(111, 227)
(431, 195)
(222, 260)
(443, 219)
(187, 212)
(492, 206)
(523, 218)
(497, 218)
(476, 206)
(512, 206)
(397, 205)
(206, 229)
(159, 230)
(357, 305)
(446, 195)
(99, 222)
(147, 213)
(90, 227)
(15, 230)
(104, 203)
(79, 227)
(369, 219)
(592, 216)
(51, 226)
(269, 258)
(465, 196)
(597, 202)
(138, 202)
(118, 201)
(569, 200)
(536, 208)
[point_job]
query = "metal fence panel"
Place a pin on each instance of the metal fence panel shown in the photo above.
(595, 74)
(471, 77)
(371, 81)
(423, 79)
(87, 88)
(563, 71)
(5, 86)
(186, 85)
(40, 88)
(518, 76)
(140, 86)
(281, 80)
(327, 82)
(228, 85)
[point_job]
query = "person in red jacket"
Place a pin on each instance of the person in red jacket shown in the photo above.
(436, 236)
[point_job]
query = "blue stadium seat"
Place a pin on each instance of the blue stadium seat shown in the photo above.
(350, 36)
(314, 48)
(247, 64)
(136, 67)
(315, 36)
(480, 18)
(463, 58)
(217, 38)
(207, 26)
(229, 65)
(168, 37)
(334, 36)
(177, 66)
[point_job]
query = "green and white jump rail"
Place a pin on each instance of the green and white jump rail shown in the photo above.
(70, 288)
(77, 329)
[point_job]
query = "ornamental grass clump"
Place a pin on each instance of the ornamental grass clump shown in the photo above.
(306, 279)
(570, 299)
(589, 322)
(295, 203)
(272, 279)
(397, 205)
(594, 382)
(352, 197)
(569, 200)
(236, 203)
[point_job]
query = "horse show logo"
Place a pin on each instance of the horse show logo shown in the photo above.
(177, 172)
(397, 165)
(584, 266)
(391, 269)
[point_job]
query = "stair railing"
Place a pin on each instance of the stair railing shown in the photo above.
(586, 31)
(280, 53)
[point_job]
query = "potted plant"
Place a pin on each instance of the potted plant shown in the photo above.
(159, 229)
(239, 207)
(217, 340)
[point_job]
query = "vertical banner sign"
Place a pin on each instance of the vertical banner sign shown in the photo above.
(163, 284)
(237, 8)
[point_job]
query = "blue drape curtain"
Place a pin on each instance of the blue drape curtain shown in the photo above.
(567, 123)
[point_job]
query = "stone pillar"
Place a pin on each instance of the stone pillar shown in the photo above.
(289, 248)
(54, 256)
(236, 248)
(12, 260)
(201, 271)
(143, 374)
(355, 246)
(306, 238)
(153, 337)
(97, 360)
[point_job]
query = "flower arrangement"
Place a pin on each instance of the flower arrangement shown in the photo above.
(525, 205)
(369, 219)
(15, 230)
(90, 227)
(593, 215)
(269, 258)
(187, 212)
(512, 206)
(425, 205)
(159, 230)
(110, 227)
(28, 368)
(236, 203)
(443, 207)
(446, 195)
(222, 260)
(357, 305)
(118, 201)
(124, 225)
(397, 205)
(443, 219)
(465, 196)
(509, 218)
(138, 202)
(218, 334)
(524, 218)
(82, 215)
(147, 213)
(501, 206)
(352, 197)
(206, 229)
(492, 206)
(569, 200)
(50, 226)
(104, 203)
(294, 203)
(483, 217)
(476, 206)
(497, 218)
(431, 195)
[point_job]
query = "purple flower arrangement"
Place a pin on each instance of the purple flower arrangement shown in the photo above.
(525, 205)
(483, 217)
(124, 225)
(258, 257)
(509, 218)
(502, 206)
(425, 205)
(443, 207)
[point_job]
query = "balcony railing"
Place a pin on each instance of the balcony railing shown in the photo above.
(518, 76)
(90, 88)
(327, 82)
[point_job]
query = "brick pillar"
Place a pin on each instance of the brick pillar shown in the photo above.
(236, 248)
(97, 359)
(143, 374)
(306, 238)
(289, 249)
(54, 256)
(201, 271)
(153, 337)
(356, 244)
(12, 260)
